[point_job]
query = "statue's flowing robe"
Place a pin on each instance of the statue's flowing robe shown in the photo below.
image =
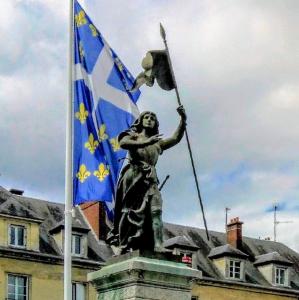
(137, 197)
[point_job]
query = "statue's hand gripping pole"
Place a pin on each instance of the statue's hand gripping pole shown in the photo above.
(163, 35)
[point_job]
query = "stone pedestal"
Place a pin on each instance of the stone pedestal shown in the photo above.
(135, 277)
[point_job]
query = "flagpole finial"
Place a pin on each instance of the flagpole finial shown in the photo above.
(162, 32)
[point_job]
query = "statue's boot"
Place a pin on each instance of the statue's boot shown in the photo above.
(158, 232)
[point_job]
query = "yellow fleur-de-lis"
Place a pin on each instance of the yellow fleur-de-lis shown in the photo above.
(115, 144)
(80, 18)
(102, 134)
(82, 114)
(102, 172)
(119, 64)
(81, 50)
(83, 173)
(93, 29)
(92, 144)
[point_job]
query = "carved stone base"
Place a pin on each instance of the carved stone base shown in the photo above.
(134, 277)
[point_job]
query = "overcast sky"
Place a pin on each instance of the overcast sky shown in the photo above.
(237, 68)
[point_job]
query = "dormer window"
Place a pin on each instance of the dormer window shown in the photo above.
(280, 276)
(275, 268)
(229, 261)
(17, 236)
(235, 269)
(77, 244)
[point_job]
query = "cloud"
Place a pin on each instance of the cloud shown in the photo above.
(236, 64)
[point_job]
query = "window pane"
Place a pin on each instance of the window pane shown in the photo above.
(20, 236)
(21, 281)
(280, 276)
(76, 244)
(235, 269)
(277, 276)
(11, 279)
(78, 291)
(21, 290)
(12, 235)
(17, 287)
(11, 289)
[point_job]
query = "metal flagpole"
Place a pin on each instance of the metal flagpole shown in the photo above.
(163, 35)
(68, 165)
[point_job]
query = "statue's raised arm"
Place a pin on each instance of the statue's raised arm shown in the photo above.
(178, 134)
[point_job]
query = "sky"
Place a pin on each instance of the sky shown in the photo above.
(237, 68)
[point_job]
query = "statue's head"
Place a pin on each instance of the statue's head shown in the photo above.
(147, 120)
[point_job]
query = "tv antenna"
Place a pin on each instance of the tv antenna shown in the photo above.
(275, 206)
(227, 209)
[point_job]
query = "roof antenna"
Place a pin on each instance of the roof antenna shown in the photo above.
(227, 209)
(275, 206)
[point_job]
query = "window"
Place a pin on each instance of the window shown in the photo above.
(235, 269)
(280, 276)
(17, 287)
(17, 236)
(78, 291)
(76, 244)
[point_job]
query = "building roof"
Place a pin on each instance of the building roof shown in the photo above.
(78, 224)
(251, 247)
(226, 250)
(9, 205)
(181, 242)
(273, 257)
(51, 215)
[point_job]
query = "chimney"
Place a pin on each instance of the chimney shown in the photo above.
(94, 212)
(234, 233)
(16, 192)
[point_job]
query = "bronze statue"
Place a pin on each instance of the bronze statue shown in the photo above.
(138, 206)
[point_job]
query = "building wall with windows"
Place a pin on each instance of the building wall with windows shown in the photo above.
(224, 291)
(31, 250)
(245, 269)
(43, 280)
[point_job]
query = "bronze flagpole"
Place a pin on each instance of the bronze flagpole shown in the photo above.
(163, 35)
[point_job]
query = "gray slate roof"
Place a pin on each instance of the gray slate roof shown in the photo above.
(273, 257)
(51, 215)
(77, 224)
(9, 205)
(180, 242)
(226, 250)
(252, 247)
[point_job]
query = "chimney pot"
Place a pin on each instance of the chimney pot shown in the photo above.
(234, 233)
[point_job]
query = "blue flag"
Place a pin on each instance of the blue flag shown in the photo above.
(104, 106)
